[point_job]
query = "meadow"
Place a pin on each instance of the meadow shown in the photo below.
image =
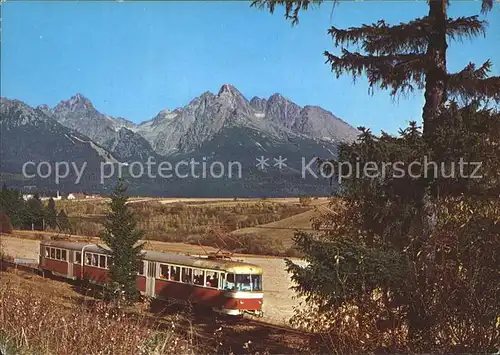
(253, 226)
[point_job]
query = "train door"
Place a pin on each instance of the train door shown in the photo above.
(43, 255)
(151, 278)
(70, 260)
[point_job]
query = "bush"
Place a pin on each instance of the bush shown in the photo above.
(305, 201)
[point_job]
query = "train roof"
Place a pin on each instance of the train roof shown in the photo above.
(230, 266)
(93, 248)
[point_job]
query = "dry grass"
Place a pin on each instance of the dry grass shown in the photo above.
(283, 229)
(34, 321)
(180, 220)
(165, 330)
(192, 220)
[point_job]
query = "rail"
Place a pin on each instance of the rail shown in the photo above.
(284, 328)
(4, 264)
(18, 266)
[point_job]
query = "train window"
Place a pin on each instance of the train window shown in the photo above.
(52, 253)
(212, 279)
(58, 254)
(175, 273)
(164, 271)
(140, 268)
(63, 254)
(102, 261)
(110, 262)
(199, 277)
(256, 282)
(95, 262)
(187, 275)
(78, 257)
(47, 252)
(229, 282)
(243, 283)
(88, 259)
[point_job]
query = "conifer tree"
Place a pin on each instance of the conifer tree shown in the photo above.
(5, 224)
(12, 203)
(123, 238)
(391, 239)
(63, 221)
(51, 214)
(34, 213)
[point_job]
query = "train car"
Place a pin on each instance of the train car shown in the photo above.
(227, 286)
(75, 260)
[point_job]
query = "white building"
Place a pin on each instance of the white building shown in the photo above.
(76, 196)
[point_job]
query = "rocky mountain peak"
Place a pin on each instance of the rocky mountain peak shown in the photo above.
(258, 104)
(282, 110)
(79, 99)
(17, 113)
(233, 99)
(165, 111)
(229, 89)
(278, 98)
(44, 108)
(76, 104)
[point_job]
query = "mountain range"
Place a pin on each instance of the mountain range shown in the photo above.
(222, 127)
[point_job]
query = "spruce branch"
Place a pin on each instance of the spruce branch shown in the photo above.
(412, 37)
(292, 7)
(473, 83)
(403, 73)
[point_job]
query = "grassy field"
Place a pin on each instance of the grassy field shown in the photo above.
(255, 226)
(283, 229)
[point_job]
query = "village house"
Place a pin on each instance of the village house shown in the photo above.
(56, 198)
(76, 196)
(27, 197)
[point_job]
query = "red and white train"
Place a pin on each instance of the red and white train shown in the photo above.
(228, 287)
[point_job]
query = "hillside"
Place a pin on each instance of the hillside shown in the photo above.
(283, 229)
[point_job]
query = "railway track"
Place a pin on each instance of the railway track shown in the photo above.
(283, 328)
(33, 269)
(216, 333)
(23, 267)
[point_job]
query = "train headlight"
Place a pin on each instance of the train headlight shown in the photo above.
(241, 302)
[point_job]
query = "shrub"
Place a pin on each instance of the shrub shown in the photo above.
(305, 201)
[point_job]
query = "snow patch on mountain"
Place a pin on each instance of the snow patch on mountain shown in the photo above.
(103, 153)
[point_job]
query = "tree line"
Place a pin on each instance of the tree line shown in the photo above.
(30, 214)
(119, 233)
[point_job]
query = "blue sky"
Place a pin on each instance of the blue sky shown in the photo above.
(135, 59)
